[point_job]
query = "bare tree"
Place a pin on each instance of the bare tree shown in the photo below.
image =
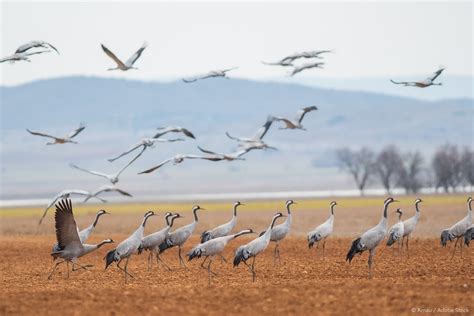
(467, 166)
(447, 167)
(358, 163)
(411, 172)
(388, 166)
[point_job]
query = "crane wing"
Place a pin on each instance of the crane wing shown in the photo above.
(100, 174)
(76, 131)
(135, 56)
(207, 151)
(264, 129)
(131, 161)
(436, 74)
(133, 148)
(157, 166)
(301, 113)
(111, 55)
(66, 228)
(41, 134)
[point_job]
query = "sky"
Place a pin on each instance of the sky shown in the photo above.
(369, 39)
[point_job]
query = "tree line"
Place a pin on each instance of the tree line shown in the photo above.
(450, 167)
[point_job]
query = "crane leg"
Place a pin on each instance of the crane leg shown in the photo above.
(455, 245)
(406, 243)
(371, 257)
(158, 260)
(276, 254)
(209, 271)
(324, 246)
(67, 267)
(125, 270)
(181, 261)
(223, 259)
(204, 261)
(81, 266)
(460, 246)
(55, 266)
(150, 260)
(253, 269)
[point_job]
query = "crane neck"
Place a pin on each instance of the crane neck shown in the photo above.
(332, 210)
(103, 242)
(195, 215)
(144, 221)
(167, 220)
(235, 210)
(172, 221)
(417, 207)
(247, 231)
(96, 220)
(272, 224)
(288, 209)
(385, 208)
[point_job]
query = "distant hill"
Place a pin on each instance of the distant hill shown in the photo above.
(118, 112)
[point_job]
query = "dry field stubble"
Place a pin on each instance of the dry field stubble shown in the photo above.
(303, 284)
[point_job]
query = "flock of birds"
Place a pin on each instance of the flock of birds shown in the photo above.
(71, 244)
(23, 52)
(244, 145)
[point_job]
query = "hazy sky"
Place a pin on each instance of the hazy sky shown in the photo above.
(369, 39)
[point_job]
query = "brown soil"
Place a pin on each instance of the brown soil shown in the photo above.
(303, 284)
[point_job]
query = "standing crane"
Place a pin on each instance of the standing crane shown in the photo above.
(253, 248)
(127, 247)
(180, 235)
(371, 238)
(153, 241)
(458, 230)
(221, 230)
(410, 224)
(213, 247)
(322, 231)
(395, 234)
(279, 232)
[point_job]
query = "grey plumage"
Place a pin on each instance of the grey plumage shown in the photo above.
(213, 247)
(69, 246)
(424, 83)
(296, 122)
(153, 241)
(371, 238)
(395, 233)
(86, 232)
(127, 247)
(322, 231)
(180, 236)
(458, 230)
(469, 235)
(35, 44)
(253, 248)
(128, 64)
(61, 140)
(212, 74)
(64, 194)
(221, 230)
